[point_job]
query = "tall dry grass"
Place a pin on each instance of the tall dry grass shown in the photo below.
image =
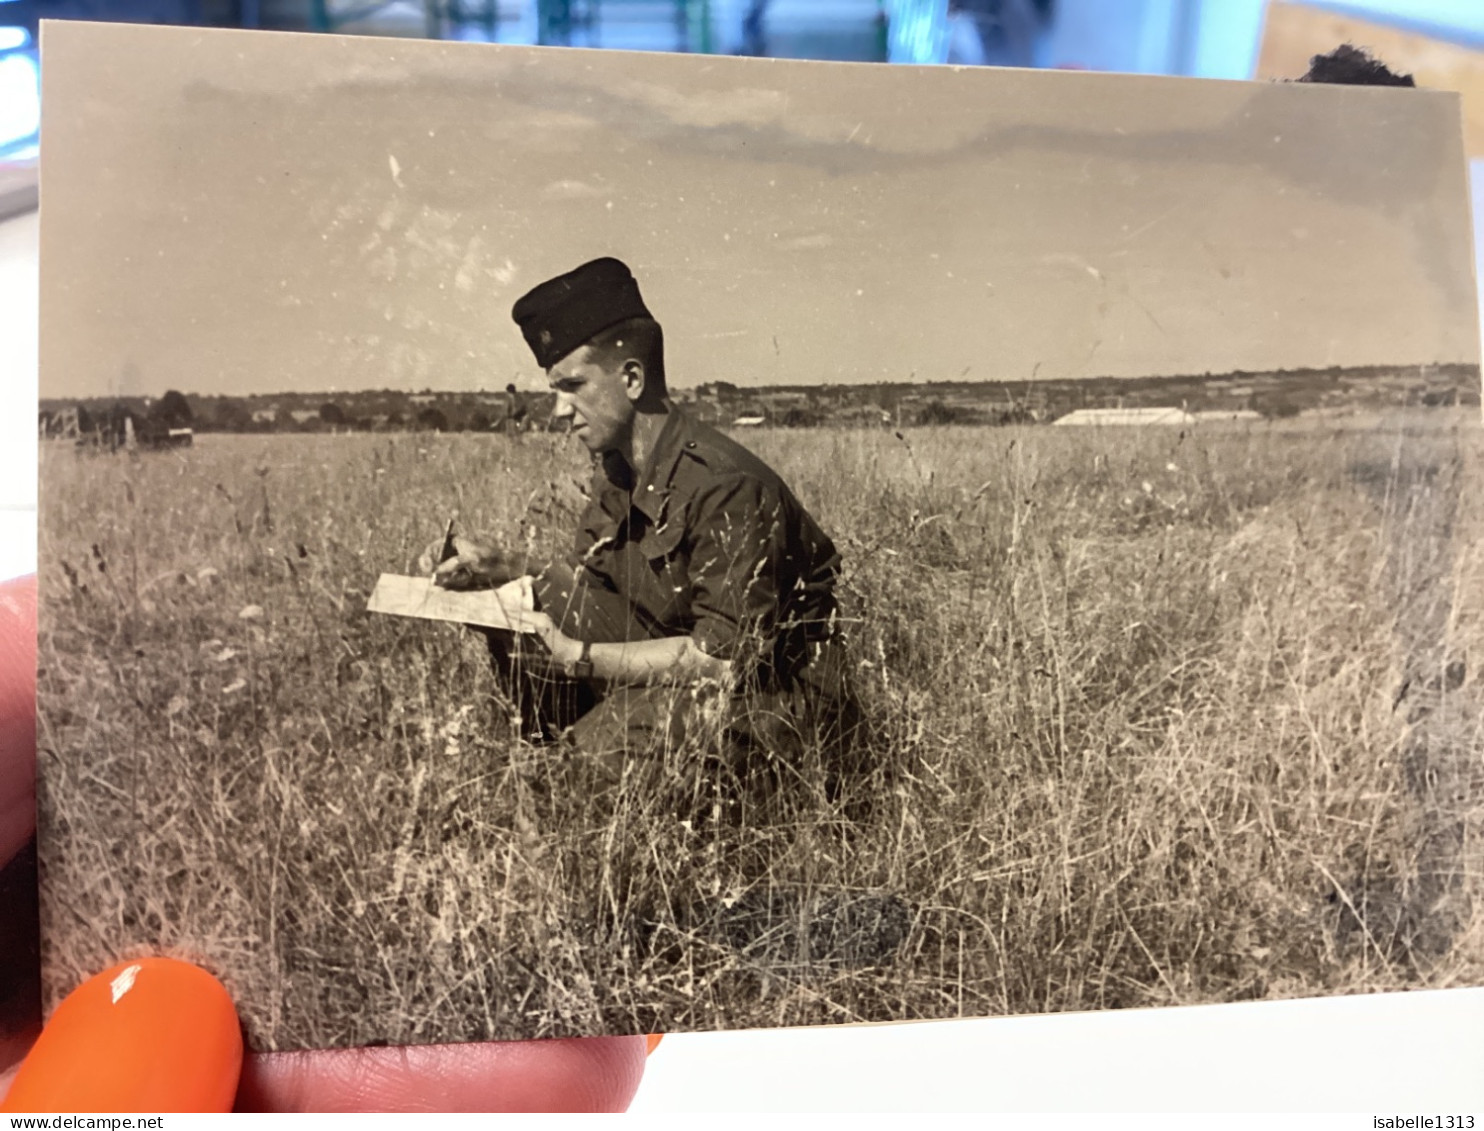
(1154, 718)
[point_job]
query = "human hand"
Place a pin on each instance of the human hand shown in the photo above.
(563, 648)
(474, 565)
(594, 1074)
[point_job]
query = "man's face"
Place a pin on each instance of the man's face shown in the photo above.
(597, 401)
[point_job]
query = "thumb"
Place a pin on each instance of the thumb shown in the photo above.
(151, 1035)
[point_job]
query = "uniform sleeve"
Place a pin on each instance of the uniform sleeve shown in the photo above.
(738, 555)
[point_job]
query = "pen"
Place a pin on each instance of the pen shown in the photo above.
(447, 552)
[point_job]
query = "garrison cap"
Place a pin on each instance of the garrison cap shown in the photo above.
(573, 309)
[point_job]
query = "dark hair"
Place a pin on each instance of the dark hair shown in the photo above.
(637, 339)
(1351, 66)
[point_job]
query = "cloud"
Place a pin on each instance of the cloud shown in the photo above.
(1075, 262)
(805, 243)
(570, 190)
(738, 106)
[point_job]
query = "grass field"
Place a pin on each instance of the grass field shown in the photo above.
(1157, 718)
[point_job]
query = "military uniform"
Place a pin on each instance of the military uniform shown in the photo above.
(706, 541)
(703, 541)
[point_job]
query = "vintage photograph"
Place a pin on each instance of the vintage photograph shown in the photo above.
(543, 542)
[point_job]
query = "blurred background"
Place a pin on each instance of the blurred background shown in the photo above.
(1203, 38)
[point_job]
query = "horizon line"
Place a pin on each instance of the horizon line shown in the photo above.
(1207, 375)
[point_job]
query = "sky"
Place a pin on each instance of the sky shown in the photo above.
(239, 212)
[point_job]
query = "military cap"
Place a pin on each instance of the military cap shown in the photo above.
(572, 309)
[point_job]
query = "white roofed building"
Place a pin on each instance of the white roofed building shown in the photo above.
(1094, 417)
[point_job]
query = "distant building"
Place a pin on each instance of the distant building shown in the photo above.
(864, 414)
(751, 420)
(265, 415)
(1108, 417)
(784, 399)
(1222, 416)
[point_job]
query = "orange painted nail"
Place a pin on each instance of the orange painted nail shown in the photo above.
(654, 1040)
(151, 1035)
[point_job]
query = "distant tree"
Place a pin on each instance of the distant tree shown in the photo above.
(937, 413)
(228, 415)
(1010, 414)
(1277, 407)
(172, 411)
(432, 420)
(394, 419)
(479, 421)
(115, 427)
(801, 418)
(333, 415)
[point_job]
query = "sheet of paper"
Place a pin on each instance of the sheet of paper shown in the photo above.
(418, 597)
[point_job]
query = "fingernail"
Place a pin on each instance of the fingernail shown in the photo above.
(151, 1035)
(654, 1040)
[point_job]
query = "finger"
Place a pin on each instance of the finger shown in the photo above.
(467, 558)
(457, 577)
(465, 548)
(17, 714)
(152, 1034)
(433, 556)
(596, 1074)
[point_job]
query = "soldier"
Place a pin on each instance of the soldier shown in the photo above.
(514, 421)
(694, 567)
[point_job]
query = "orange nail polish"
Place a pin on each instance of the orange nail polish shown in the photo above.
(151, 1035)
(654, 1040)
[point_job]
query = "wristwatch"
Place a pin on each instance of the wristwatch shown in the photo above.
(582, 667)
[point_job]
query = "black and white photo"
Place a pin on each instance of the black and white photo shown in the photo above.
(544, 542)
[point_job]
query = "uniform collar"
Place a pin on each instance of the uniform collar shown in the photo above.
(651, 486)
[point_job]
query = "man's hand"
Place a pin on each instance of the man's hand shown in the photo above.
(475, 565)
(564, 650)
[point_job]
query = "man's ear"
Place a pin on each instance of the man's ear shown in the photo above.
(633, 378)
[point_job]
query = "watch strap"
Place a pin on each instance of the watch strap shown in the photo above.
(583, 668)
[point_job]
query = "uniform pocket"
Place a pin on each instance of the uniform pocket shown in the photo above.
(660, 543)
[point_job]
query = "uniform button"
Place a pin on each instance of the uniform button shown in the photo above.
(650, 487)
(690, 443)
